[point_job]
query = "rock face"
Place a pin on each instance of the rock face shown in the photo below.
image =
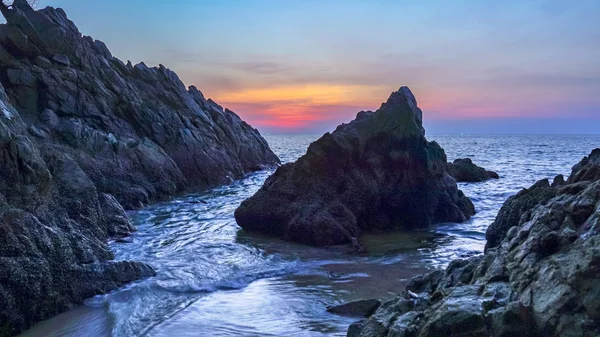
(82, 134)
(463, 170)
(53, 229)
(377, 173)
(539, 277)
(136, 131)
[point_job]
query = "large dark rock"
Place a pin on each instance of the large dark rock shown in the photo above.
(137, 132)
(360, 308)
(377, 173)
(464, 170)
(587, 169)
(518, 208)
(53, 229)
(540, 278)
(81, 135)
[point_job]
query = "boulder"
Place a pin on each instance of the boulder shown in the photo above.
(360, 308)
(115, 218)
(540, 278)
(378, 173)
(464, 170)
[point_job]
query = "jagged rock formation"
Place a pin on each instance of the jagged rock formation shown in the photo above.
(53, 229)
(136, 131)
(377, 173)
(80, 134)
(539, 277)
(464, 170)
(515, 207)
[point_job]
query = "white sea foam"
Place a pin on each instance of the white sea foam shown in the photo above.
(5, 110)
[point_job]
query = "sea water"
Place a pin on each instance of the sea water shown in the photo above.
(213, 279)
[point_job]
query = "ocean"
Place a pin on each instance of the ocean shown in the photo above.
(213, 279)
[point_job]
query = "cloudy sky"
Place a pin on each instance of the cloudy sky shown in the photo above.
(306, 66)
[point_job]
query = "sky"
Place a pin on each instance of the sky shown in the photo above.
(306, 66)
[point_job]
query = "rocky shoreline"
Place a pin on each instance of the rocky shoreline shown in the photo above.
(376, 174)
(538, 276)
(83, 136)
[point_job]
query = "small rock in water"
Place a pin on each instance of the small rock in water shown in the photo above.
(464, 170)
(364, 308)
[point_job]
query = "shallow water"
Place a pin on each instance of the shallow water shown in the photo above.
(215, 280)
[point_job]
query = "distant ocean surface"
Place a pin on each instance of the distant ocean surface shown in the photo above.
(213, 279)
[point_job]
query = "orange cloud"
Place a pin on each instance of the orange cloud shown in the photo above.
(317, 94)
(299, 106)
(318, 106)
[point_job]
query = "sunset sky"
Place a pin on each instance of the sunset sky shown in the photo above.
(306, 66)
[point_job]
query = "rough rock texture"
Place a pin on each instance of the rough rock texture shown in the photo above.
(136, 131)
(540, 279)
(516, 207)
(377, 173)
(463, 170)
(82, 134)
(53, 229)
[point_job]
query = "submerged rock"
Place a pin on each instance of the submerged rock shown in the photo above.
(464, 170)
(377, 173)
(538, 277)
(82, 135)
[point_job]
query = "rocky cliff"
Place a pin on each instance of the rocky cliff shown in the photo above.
(538, 277)
(82, 133)
(378, 173)
(138, 132)
(54, 223)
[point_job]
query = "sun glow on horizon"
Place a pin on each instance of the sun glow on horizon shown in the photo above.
(302, 66)
(294, 107)
(299, 105)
